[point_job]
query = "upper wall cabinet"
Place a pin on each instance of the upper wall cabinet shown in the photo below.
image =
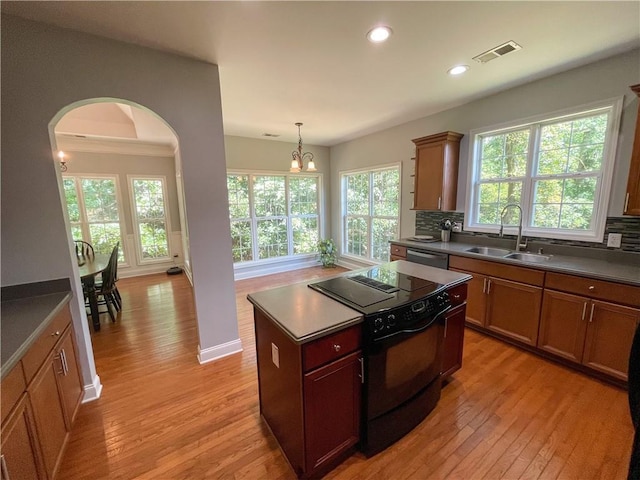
(632, 200)
(436, 175)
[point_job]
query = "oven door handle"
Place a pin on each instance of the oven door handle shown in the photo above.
(415, 330)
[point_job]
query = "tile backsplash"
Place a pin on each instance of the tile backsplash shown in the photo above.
(428, 222)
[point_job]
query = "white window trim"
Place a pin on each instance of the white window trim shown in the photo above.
(343, 208)
(134, 219)
(84, 223)
(601, 201)
(253, 219)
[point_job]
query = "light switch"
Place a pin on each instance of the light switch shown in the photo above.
(275, 355)
(614, 240)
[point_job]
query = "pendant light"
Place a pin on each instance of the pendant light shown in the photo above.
(298, 157)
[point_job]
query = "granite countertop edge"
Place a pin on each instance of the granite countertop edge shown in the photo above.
(24, 323)
(581, 266)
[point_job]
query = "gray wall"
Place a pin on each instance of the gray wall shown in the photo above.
(597, 81)
(47, 71)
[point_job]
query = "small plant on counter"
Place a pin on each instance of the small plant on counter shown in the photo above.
(446, 224)
(327, 252)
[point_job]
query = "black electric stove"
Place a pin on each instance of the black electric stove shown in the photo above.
(377, 289)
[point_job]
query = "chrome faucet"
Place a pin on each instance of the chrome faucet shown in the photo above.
(519, 244)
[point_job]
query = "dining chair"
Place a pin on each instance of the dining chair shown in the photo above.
(106, 288)
(84, 249)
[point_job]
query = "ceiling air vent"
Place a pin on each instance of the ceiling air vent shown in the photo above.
(496, 52)
(274, 135)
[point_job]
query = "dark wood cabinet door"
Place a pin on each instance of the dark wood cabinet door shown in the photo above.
(610, 333)
(21, 457)
(48, 414)
(453, 340)
(69, 380)
(563, 324)
(513, 309)
(332, 410)
(476, 298)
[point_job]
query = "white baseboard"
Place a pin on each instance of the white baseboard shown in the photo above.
(92, 391)
(242, 272)
(219, 351)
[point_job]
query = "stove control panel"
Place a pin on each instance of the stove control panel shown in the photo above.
(406, 317)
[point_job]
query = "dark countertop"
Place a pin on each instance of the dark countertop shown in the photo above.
(622, 269)
(305, 315)
(24, 318)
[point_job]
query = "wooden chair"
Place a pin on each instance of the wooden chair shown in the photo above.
(84, 249)
(107, 288)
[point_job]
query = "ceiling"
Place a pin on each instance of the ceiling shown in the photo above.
(287, 62)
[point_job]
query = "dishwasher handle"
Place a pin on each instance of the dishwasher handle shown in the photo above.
(431, 259)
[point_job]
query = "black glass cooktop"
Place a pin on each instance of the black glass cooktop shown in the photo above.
(376, 289)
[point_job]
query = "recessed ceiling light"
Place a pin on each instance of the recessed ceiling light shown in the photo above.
(379, 34)
(458, 69)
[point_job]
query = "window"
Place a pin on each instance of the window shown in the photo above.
(371, 212)
(93, 208)
(273, 216)
(557, 169)
(150, 218)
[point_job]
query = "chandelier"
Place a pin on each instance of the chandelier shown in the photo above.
(298, 156)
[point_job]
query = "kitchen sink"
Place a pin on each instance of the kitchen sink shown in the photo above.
(528, 257)
(495, 252)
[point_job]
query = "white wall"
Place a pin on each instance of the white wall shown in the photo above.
(45, 70)
(597, 81)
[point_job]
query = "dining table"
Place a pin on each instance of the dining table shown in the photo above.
(90, 267)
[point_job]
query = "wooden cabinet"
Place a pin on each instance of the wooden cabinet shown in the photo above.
(454, 331)
(397, 252)
(502, 299)
(632, 199)
(586, 330)
(40, 397)
(436, 171)
(310, 394)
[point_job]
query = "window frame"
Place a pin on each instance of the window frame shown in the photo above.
(612, 106)
(368, 218)
(84, 222)
(253, 219)
(135, 223)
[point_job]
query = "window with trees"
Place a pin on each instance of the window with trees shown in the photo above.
(557, 169)
(150, 218)
(273, 216)
(371, 212)
(94, 214)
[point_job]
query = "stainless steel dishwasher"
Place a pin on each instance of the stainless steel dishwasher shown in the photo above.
(438, 260)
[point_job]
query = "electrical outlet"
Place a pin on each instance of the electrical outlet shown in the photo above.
(456, 227)
(614, 240)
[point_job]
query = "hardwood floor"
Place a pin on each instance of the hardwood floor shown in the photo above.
(506, 413)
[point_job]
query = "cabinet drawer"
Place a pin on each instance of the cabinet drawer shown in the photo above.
(458, 294)
(331, 347)
(529, 276)
(45, 343)
(12, 387)
(398, 251)
(600, 289)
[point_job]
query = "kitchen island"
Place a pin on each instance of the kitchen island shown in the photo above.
(311, 365)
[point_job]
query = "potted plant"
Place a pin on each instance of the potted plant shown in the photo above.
(327, 252)
(445, 229)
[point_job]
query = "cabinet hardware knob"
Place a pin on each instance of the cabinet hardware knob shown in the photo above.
(456, 297)
(56, 333)
(337, 347)
(592, 288)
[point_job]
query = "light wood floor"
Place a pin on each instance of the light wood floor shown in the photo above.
(506, 414)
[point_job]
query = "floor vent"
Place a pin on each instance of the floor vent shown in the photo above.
(496, 52)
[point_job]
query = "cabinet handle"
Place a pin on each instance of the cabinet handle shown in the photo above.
(336, 347)
(59, 357)
(592, 288)
(65, 366)
(446, 324)
(5, 470)
(593, 306)
(439, 202)
(456, 297)
(361, 360)
(484, 285)
(56, 333)
(584, 310)
(489, 287)
(626, 202)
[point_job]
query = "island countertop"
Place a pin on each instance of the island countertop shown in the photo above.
(306, 315)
